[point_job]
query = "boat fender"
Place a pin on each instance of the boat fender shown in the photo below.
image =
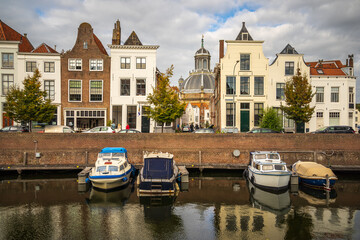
(124, 179)
(87, 180)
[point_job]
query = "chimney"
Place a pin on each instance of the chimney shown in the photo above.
(55, 47)
(116, 39)
(25, 35)
(351, 60)
(221, 50)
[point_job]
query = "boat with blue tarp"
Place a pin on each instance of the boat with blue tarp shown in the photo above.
(112, 169)
(159, 175)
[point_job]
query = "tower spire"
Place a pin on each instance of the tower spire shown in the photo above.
(202, 41)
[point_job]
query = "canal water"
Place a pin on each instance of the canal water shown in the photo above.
(221, 206)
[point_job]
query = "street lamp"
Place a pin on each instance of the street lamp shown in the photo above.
(234, 88)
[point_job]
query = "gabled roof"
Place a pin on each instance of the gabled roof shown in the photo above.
(133, 40)
(289, 50)
(44, 48)
(9, 34)
(99, 44)
(244, 30)
(327, 68)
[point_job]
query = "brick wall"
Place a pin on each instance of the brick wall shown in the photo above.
(211, 150)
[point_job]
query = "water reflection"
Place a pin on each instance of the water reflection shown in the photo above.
(114, 197)
(317, 196)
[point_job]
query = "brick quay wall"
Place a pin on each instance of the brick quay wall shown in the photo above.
(192, 150)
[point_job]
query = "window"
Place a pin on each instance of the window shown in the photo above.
(96, 64)
(334, 118)
(230, 114)
(245, 62)
(131, 116)
(125, 63)
(140, 87)
(30, 66)
(75, 90)
(289, 68)
(8, 60)
(125, 87)
(75, 64)
(259, 86)
(49, 88)
(351, 97)
(258, 112)
(244, 85)
(230, 85)
(245, 105)
(7, 82)
(280, 95)
(319, 114)
(85, 45)
(117, 115)
(319, 94)
(140, 63)
(158, 124)
(335, 94)
(49, 67)
(96, 90)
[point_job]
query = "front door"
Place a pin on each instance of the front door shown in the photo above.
(145, 124)
(245, 120)
(7, 121)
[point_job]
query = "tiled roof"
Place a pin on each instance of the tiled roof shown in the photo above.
(99, 44)
(44, 48)
(327, 68)
(9, 34)
(133, 40)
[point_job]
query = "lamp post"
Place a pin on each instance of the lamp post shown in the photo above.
(234, 88)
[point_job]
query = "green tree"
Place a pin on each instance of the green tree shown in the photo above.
(271, 120)
(298, 96)
(30, 103)
(165, 104)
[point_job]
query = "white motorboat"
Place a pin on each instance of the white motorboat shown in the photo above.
(112, 169)
(267, 171)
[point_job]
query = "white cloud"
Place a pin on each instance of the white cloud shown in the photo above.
(319, 29)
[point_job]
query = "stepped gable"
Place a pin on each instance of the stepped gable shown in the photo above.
(44, 48)
(9, 34)
(133, 39)
(244, 32)
(99, 44)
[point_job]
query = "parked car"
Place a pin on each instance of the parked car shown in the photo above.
(14, 129)
(100, 129)
(335, 129)
(58, 129)
(186, 128)
(204, 130)
(262, 130)
(129, 131)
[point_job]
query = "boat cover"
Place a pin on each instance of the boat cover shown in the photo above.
(113, 150)
(158, 168)
(313, 169)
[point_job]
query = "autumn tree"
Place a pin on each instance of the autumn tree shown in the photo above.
(271, 120)
(298, 96)
(30, 103)
(165, 104)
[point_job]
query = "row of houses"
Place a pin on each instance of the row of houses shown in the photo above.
(92, 89)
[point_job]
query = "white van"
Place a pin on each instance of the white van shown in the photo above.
(58, 129)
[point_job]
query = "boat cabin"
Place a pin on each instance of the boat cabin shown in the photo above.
(267, 161)
(112, 160)
(158, 166)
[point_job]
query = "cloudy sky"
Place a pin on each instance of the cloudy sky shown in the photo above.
(320, 29)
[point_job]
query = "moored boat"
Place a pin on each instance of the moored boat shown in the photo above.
(112, 169)
(158, 175)
(267, 171)
(315, 175)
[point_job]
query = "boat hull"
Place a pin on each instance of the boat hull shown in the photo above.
(272, 181)
(316, 183)
(110, 181)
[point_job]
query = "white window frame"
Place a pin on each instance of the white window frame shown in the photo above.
(97, 65)
(31, 66)
(49, 96)
(69, 90)
(125, 58)
(76, 64)
(9, 65)
(51, 68)
(335, 96)
(102, 90)
(141, 62)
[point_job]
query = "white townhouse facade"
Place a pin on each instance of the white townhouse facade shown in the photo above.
(334, 85)
(133, 77)
(282, 69)
(47, 60)
(243, 83)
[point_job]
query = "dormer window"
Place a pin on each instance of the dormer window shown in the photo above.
(245, 36)
(85, 45)
(320, 71)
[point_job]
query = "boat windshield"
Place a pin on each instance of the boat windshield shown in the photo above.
(280, 167)
(273, 156)
(113, 168)
(267, 167)
(101, 169)
(260, 156)
(111, 155)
